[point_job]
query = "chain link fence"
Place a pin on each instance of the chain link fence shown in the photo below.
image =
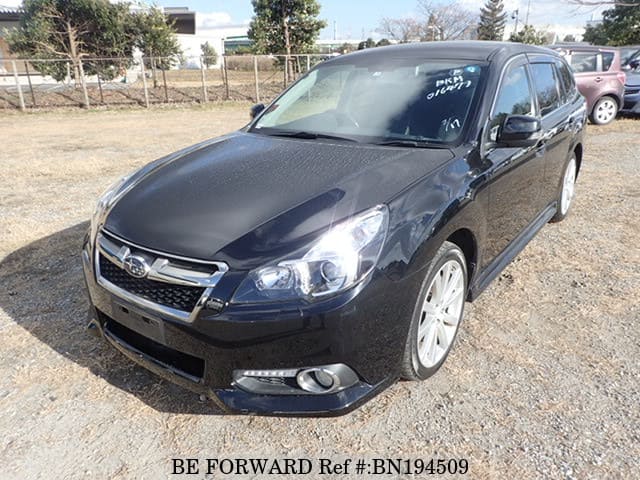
(51, 83)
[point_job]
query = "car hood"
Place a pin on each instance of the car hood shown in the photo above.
(246, 198)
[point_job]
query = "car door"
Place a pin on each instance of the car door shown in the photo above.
(587, 68)
(515, 174)
(556, 124)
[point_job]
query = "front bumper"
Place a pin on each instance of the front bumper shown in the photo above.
(364, 329)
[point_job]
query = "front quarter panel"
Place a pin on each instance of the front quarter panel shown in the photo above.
(429, 212)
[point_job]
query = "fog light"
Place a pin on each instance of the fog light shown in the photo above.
(288, 381)
(325, 379)
(318, 380)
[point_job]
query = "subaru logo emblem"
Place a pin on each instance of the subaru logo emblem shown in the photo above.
(135, 266)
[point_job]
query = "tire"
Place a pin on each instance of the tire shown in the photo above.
(422, 357)
(567, 190)
(604, 111)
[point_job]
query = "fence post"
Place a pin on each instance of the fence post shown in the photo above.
(255, 78)
(15, 76)
(100, 88)
(144, 83)
(205, 96)
(286, 70)
(33, 95)
(308, 63)
(226, 77)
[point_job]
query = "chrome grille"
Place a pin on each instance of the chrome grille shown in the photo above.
(174, 296)
(173, 286)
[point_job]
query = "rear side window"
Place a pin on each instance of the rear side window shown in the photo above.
(607, 60)
(566, 81)
(514, 98)
(546, 86)
(584, 62)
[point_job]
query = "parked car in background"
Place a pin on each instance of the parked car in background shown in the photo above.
(632, 93)
(628, 54)
(599, 76)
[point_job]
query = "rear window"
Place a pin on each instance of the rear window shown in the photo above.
(545, 82)
(607, 60)
(584, 62)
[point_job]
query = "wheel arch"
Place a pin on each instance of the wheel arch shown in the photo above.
(466, 241)
(611, 94)
(578, 151)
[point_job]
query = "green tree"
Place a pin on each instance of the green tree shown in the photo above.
(383, 42)
(74, 30)
(619, 26)
(569, 38)
(492, 21)
(345, 48)
(596, 35)
(285, 26)
(157, 40)
(209, 54)
(529, 35)
(368, 43)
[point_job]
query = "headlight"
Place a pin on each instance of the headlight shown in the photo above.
(341, 258)
(104, 202)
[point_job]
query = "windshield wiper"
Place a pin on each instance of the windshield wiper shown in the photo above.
(309, 135)
(410, 143)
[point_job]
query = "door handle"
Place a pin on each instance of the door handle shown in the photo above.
(598, 79)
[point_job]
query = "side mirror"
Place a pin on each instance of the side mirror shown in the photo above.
(519, 131)
(255, 110)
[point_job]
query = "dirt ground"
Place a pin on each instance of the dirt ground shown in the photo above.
(544, 380)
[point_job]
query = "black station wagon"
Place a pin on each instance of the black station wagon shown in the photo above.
(305, 262)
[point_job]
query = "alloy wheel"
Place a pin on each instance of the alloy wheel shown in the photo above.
(441, 312)
(568, 186)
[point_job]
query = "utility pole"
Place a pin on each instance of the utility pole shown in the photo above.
(526, 18)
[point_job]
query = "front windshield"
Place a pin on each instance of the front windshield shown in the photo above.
(390, 99)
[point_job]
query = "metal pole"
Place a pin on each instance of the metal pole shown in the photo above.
(144, 84)
(33, 95)
(255, 77)
(15, 77)
(205, 96)
(308, 63)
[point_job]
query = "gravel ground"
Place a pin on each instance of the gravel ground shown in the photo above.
(543, 381)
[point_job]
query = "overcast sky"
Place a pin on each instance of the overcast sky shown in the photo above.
(355, 17)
